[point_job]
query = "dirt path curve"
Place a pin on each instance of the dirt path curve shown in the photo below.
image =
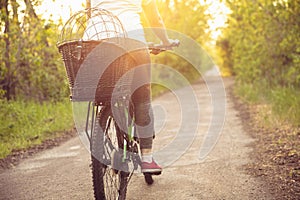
(64, 173)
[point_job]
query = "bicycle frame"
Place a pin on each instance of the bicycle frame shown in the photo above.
(122, 103)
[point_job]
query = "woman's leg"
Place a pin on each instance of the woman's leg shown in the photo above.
(141, 98)
(144, 118)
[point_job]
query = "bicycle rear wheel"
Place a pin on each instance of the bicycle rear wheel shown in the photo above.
(109, 182)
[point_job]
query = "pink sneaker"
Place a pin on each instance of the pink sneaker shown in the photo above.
(152, 168)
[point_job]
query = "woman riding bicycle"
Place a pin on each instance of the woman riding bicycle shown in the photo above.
(128, 12)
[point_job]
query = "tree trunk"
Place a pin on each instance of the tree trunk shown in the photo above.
(6, 81)
(30, 9)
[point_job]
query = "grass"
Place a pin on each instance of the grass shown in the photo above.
(282, 104)
(286, 105)
(24, 124)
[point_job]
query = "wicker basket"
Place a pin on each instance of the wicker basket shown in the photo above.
(80, 37)
(74, 55)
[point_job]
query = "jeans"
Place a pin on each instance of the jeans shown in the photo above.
(141, 98)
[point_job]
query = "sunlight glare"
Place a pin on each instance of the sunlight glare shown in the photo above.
(56, 10)
(218, 11)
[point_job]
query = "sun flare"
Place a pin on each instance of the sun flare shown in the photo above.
(218, 11)
(56, 10)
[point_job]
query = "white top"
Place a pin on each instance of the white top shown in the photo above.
(128, 12)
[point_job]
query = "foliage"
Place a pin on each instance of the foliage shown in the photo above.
(263, 40)
(189, 19)
(260, 45)
(30, 67)
(24, 124)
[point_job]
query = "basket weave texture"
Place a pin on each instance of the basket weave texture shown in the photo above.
(81, 34)
(116, 77)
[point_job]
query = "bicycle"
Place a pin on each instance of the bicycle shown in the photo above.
(110, 127)
(119, 149)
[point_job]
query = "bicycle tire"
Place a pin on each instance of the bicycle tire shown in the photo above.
(108, 183)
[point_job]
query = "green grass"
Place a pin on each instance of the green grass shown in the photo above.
(284, 103)
(24, 124)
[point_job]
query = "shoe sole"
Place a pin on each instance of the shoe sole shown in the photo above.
(152, 171)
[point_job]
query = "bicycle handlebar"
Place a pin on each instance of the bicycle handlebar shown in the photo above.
(158, 48)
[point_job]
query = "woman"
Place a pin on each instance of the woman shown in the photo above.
(128, 12)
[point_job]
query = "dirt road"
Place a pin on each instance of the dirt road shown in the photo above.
(64, 173)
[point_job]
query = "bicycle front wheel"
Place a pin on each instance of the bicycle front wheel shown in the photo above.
(108, 182)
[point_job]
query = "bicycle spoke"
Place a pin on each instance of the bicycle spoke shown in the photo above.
(109, 183)
(112, 181)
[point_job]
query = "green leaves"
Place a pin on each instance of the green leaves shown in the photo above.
(32, 67)
(261, 47)
(263, 37)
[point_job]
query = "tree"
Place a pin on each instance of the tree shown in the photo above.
(189, 18)
(31, 67)
(5, 74)
(261, 42)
